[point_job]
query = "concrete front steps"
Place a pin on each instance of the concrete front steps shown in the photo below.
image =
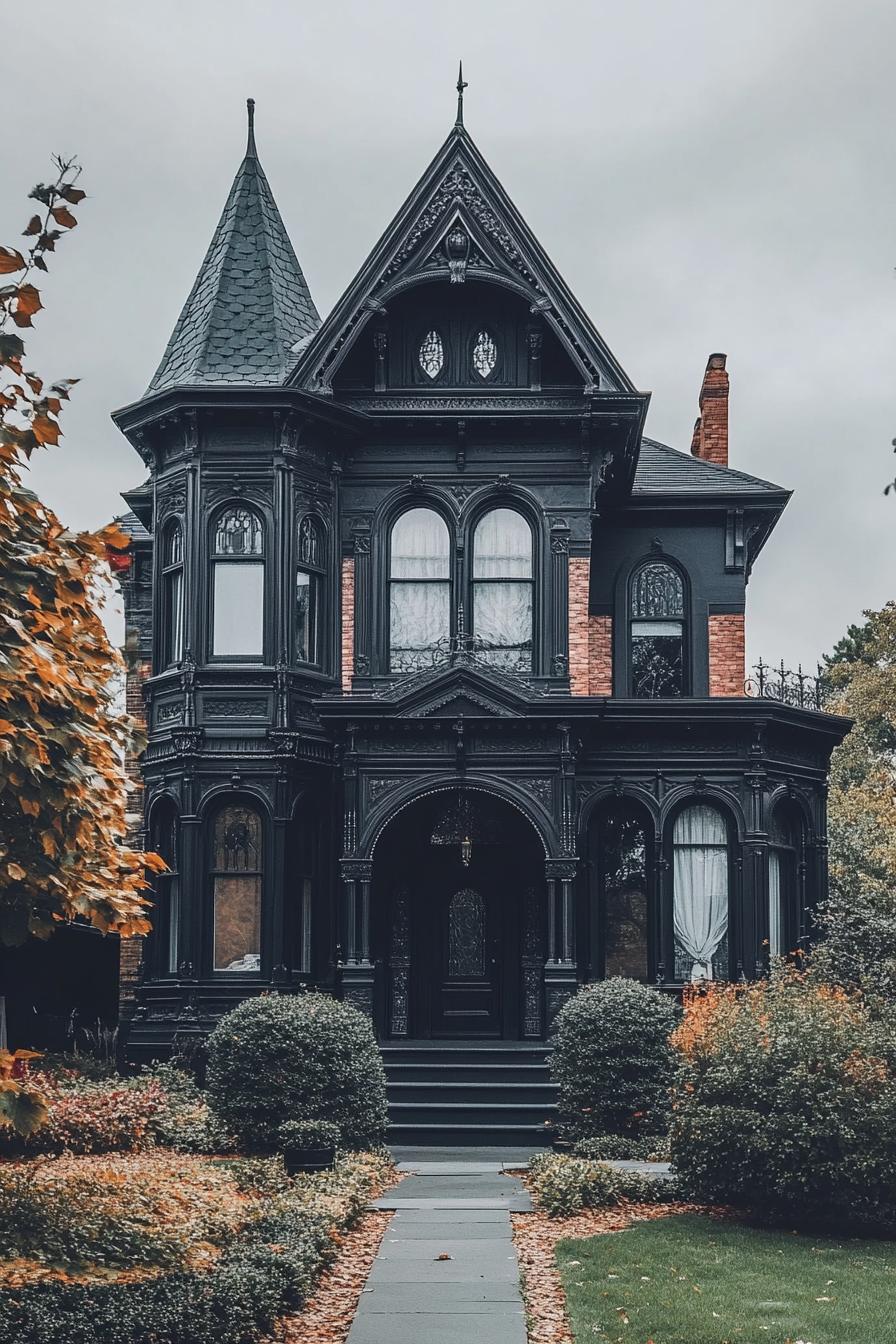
(478, 1093)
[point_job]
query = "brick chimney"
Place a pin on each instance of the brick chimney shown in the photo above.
(710, 439)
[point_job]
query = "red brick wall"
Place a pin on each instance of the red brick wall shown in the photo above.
(600, 655)
(579, 578)
(710, 439)
(726, 654)
(348, 622)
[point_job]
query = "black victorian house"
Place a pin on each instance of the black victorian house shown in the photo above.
(442, 658)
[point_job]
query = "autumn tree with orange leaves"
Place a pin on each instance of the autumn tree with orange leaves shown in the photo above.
(63, 853)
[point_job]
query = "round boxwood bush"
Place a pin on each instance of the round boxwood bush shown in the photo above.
(306, 1057)
(785, 1104)
(612, 1060)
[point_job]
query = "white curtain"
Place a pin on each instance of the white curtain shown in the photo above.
(420, 547)
(502, 546)
(502, 588)
(419, 616)
(420, 593)
(700, 885)
(776, 886)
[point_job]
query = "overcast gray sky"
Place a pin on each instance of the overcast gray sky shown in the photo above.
(706, 175)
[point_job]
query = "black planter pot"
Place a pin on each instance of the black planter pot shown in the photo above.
(309, 1159)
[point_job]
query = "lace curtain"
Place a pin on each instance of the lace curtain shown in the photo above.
(700, 885)
(420, 589)
(776, 889)
(502, 589)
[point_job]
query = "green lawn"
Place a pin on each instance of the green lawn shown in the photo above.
(696, 1280)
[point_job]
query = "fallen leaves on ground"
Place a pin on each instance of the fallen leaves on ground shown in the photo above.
(328, 1315)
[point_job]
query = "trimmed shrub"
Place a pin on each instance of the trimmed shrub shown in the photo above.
(184, 1120)
(785, 1104)
(86, 1117)
(619, 1147)
(298, 1134)
(563, 1185)
(116, 1212)
(267, 1269)
(612, 1060)
(305, 1057)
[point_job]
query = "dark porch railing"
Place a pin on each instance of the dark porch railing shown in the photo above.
(800, 689)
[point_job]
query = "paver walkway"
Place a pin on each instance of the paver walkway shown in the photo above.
(447, 1270)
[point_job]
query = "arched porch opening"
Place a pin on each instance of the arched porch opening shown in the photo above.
(459, 920)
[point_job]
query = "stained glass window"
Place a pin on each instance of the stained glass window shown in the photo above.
(432, 354)
(237, 874)
(419, 590)
(502, 590)
(657, 632)
(239, 532)
(309, 578)
(173, 595)
(466, 935)
(238, 584)
(485, 354)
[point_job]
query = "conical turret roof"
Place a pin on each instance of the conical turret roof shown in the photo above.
(250, 302)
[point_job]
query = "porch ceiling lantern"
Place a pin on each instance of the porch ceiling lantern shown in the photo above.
(461, 824)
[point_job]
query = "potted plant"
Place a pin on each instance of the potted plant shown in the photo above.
(308, 1145)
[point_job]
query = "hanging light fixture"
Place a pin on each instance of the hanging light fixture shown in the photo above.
(460, 825)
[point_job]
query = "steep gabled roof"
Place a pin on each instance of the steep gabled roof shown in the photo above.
(459, 188)
(250, 302)
(663, 470)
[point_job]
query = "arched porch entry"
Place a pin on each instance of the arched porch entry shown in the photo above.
(459, 920)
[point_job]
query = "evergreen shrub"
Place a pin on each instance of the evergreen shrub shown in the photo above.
(305, 1057)
(785, 1104)
(612, 1060)
(563, 1185)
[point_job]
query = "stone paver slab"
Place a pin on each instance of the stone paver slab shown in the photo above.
(423, 1298)
(475, 1328)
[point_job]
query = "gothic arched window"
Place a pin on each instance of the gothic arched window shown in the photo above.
(784, 854)
(431, 355)
(419, 590)
(657, 632)
(164, 841)
(172, 594)
(237, 869)
(238, 584)
(502, 590)
(309, 583)
(700, 869)
(622, 891)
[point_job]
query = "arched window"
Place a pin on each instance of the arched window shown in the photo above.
(657, 630)
(164, 841)
(237, 870)
(700, 894)
(785, 843)
(622, 915)
(238, 584)
(172, 594)
(419, 590)
(502, 590)
(309, 583)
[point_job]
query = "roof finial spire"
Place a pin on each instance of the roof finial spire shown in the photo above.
(461, 85)
(250, 146)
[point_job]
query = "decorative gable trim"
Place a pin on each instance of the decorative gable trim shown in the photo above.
(459, 185)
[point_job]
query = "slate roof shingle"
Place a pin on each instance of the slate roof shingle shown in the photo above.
(131, 524)
(250, 302)
(665, 471)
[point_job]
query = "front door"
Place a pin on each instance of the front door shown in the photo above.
(467, 981)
